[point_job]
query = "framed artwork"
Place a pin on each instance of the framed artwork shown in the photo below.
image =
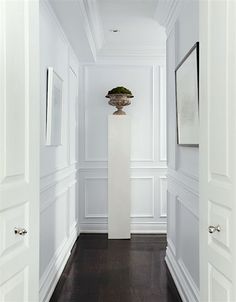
(54, 108)
(187, 98)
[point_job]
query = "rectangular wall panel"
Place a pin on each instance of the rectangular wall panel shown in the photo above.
(142, 197)
(163, 196)
(95, 197)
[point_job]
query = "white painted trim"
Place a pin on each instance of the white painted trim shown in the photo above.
(86, 215)
(184, 181)
(163, 11)
(95, 22)
(171, 246)
(189, 277)
(187, 174)
(186, 287)
(155, 53)
(51, 276)
(136, 228)
(73, 62)
(95, 168)
(162, 178)
(167, 12)
(87, 29)
(129, 63)
(59, 170)
(44, 204)
(162, 116)
(63, 189)
(185, 196)
(52, 180)
(152, 215)
(45, 4)
(95, 35)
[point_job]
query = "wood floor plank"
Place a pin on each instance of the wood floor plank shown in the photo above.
(102, 270)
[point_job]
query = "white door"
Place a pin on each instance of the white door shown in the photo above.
(218, 150)
(19, 150)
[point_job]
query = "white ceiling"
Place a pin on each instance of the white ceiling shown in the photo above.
(140, 35)
(138, 30)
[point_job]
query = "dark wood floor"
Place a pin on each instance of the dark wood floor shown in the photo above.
(102, 270)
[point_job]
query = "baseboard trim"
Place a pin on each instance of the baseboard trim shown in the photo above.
(186, 288)
(136, 228)
(52, 274)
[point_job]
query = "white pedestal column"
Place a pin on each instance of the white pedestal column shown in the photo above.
(118, 177)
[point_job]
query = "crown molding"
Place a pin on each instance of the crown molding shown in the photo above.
(90, 7)
(95, 23)
(73, 20)
(87, 27)
(167, 12)
(132, 53)
(81, 22)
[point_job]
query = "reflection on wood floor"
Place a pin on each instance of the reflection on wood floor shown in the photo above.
(102, 270)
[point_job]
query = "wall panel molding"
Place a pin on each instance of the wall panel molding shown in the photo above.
(143, 228)
(53, 179)
(52, 274)
(162, 116)
(188, 277)
(189, 175)
(161, 169)
(152, 199)
(184, 181)
(59, 168)
(185, 286)
(133, 160)
(163, 196)
(182, 255)
(86, 180)
(149, 157)
(156, 73)
(184, 190)
(185, 197)
(132, 178)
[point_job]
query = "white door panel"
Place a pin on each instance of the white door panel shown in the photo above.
(19, 150)
(217, 150)
(220, 288)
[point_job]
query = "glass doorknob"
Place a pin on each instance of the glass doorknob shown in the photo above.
(20, 231)
(212, 229)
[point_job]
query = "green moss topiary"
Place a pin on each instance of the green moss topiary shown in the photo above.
(120, 90)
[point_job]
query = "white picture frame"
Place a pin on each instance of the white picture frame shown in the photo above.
(54, 108)
(187, 99)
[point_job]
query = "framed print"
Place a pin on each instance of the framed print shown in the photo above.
(187, 98)
(54, 108)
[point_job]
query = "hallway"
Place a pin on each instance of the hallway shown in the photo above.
(157, 177)
(119, 270)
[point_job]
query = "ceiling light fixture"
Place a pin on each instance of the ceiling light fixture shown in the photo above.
(115, 30)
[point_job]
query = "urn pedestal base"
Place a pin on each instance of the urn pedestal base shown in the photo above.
(119, 198)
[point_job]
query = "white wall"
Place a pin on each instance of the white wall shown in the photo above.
(148, 145)
(58, 208)
(183, 244)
